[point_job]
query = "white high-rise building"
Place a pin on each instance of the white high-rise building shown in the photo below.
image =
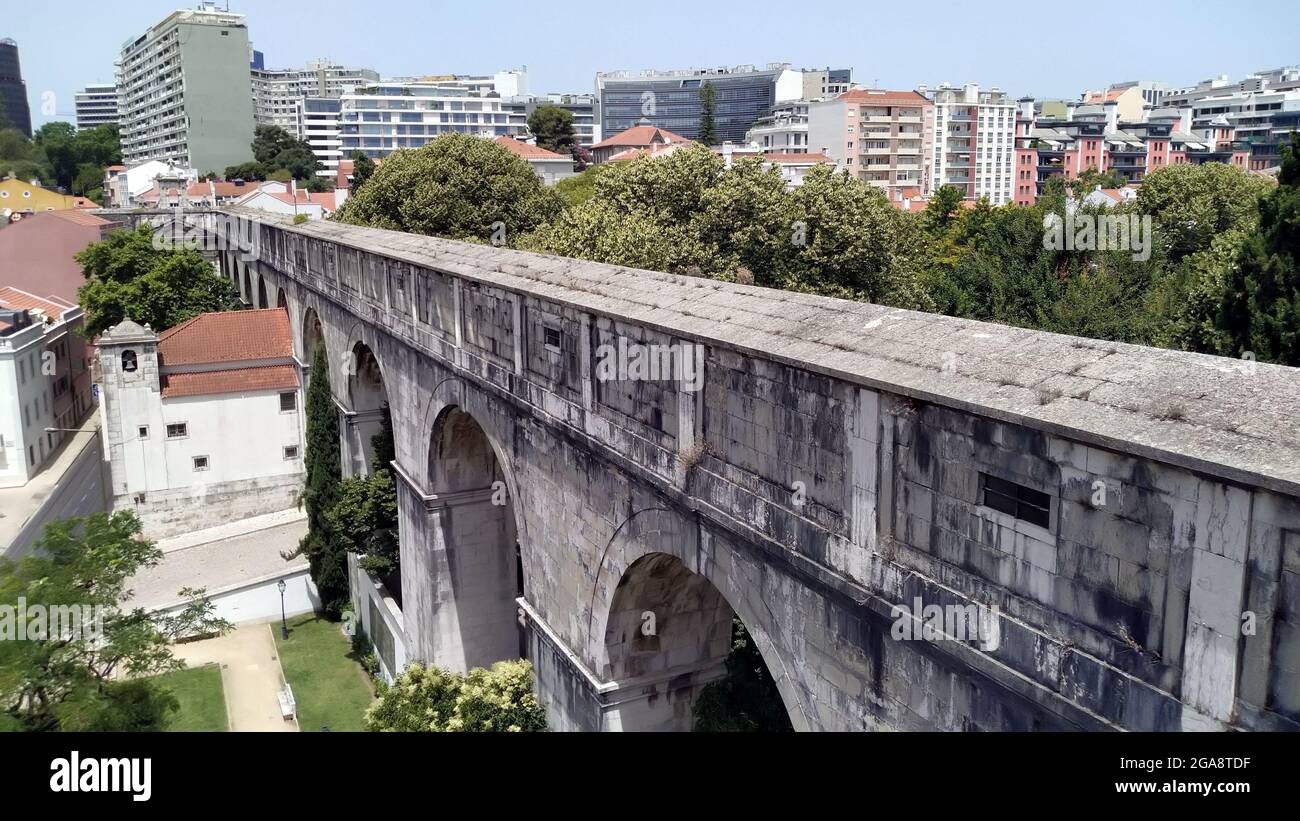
(96, 105)
(973, 141)
(183, 91)
(278, 94)
(387, 116)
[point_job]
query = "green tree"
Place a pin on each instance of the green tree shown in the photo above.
(362, 169)
(553, 128)
(685, 213)
(127, 276)
(430, 699)
(746, 698)
(269, 141)
(74, 679)
(708, 131)
(944, 204)
(456, 186)
(1260, 311)
(1191, 204)
(322, 545)
(365, 514)
(248, 171)
(69, 152)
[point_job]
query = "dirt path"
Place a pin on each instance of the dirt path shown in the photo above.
(250, 675)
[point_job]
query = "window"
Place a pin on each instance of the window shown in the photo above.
(143, 431)
(200, 463)
(553, 338)
(178, 430)
(128, 361)
(291, 451)
(1022, 502)
(288, 401)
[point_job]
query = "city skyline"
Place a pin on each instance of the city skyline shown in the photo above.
(564, 55)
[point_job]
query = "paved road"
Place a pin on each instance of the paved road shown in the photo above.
(73, 486)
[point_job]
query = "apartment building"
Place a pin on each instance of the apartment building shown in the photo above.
(44, 380)
(1093, 137)
(387, 116)
(671, 99)
(321, 130)
(96, 105)
(279, 94)
(973, 141)
(183, 91)
(783, 130)
(826, 82)
(1253, 106)
(877, 136)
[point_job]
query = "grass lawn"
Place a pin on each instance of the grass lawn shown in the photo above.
(329, 686)
(203, 703)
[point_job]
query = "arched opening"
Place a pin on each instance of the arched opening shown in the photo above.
(480, 536)
(261, 293)
(372, 524)
(128, 362)
(681, 657)
(247, 293)
(281, 299)
(313, 336)
(368, 399)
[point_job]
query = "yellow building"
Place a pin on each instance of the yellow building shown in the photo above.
(17, 196)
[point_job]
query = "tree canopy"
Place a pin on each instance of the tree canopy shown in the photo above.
(430, 699)
(553, 128)
(73, 679)
(128, 276)
(456, 186)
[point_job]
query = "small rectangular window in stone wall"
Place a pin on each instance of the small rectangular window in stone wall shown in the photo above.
(553, 336)
(1024, 503)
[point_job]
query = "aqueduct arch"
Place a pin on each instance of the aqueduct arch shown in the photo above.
(368, 402)
(473, 528)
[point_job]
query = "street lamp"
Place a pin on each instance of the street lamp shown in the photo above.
(284, 626)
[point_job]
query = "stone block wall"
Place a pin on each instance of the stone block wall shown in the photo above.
(818, 506)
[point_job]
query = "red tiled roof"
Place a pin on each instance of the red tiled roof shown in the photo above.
(873, 96)
(528, 152)
(80, 217)
(640, 135)
(325, 199)
(224, 188)
(228, 336)
(116, 168)
(12, 297)
(237, 380)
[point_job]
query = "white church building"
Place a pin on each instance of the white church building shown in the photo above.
(203, 424)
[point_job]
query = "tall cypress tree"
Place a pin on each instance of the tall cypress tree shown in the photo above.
(708, 134)
(325, 554)
(1261, 305)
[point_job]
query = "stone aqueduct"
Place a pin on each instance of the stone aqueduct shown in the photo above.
(839, 460)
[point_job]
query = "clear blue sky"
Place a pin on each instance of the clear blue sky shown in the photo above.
(1054, 49)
